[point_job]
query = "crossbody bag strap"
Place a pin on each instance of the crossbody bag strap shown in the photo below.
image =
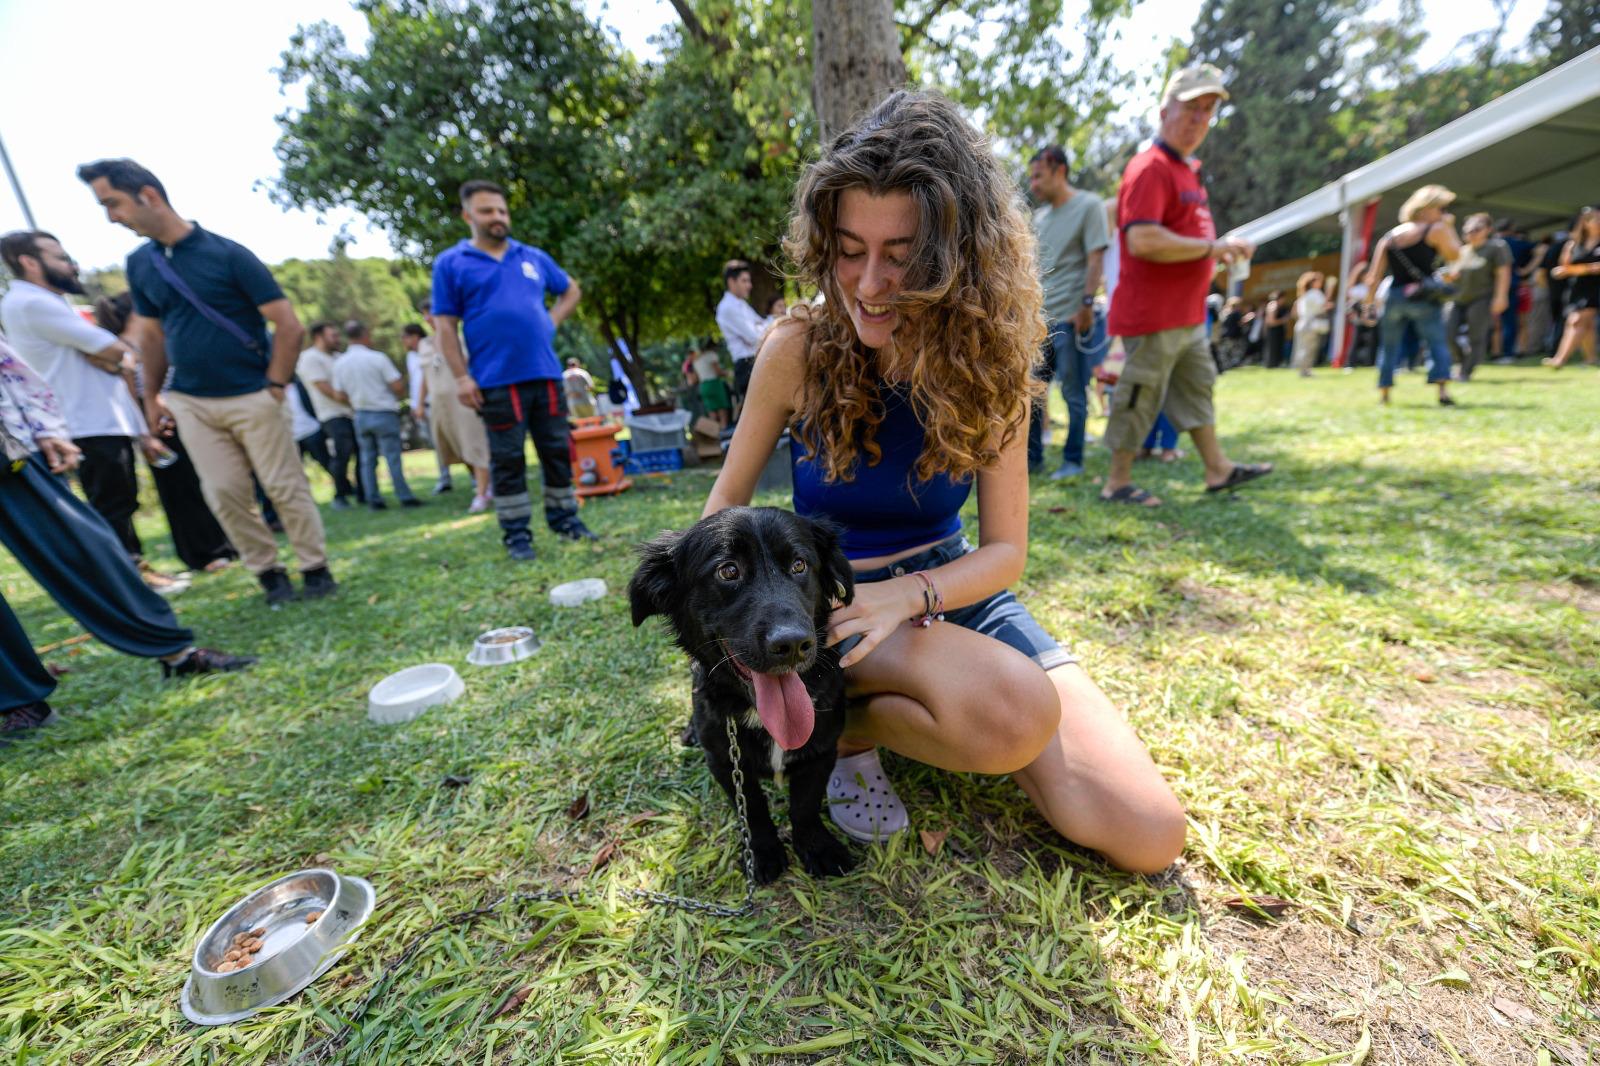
(170, 275)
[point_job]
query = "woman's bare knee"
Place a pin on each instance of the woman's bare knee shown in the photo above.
(1022, 710)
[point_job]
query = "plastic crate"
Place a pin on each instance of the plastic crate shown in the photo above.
(653, 461)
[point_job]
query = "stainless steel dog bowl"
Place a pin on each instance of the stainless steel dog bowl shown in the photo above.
(500, 646)
(293, 952)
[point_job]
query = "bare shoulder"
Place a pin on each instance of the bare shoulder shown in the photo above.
(781, 359)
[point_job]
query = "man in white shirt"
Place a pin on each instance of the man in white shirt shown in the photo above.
(315, 368)
(368, 381)
(83, 365)
(740, 324)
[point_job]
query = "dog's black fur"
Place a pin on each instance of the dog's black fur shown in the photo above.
(730, 588)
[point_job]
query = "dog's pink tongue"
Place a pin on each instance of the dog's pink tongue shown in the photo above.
(785, 708)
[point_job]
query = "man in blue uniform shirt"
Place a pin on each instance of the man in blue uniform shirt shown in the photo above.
(493, 288)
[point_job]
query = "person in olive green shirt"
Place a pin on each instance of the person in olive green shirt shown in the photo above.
(1483, 292)
(1071, 226)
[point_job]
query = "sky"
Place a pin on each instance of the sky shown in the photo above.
(187, 88)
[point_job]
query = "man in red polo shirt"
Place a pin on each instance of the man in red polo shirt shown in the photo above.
(1169, 251)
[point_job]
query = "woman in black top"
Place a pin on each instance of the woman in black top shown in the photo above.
(1425, 235)
(1580, 267)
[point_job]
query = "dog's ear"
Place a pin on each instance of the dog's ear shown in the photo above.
(650, 590)
(838, 580)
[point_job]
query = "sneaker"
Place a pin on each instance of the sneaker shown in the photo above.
(377, 505)
(862, 802)
(162, 584)
(317, 584)
(1066, 471)
(572, 528)
(412, 502)
(521, 551)
(340, 504)
(206, 661)
(277, 586)
(479, 505)
(1445, 401)
(442, 486)
(19, 720)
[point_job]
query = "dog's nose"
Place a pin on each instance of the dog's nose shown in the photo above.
(790, 645)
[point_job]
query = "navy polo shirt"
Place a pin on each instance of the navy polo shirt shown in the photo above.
(509, 335)
(206, 360)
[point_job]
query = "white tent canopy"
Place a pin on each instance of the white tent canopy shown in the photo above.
(1533, 155)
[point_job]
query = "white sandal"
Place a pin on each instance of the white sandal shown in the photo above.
(862, 802)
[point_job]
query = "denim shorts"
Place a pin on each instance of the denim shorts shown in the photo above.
(1000, 616)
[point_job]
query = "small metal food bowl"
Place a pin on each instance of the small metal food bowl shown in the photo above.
(293, 951)
(402, 696)
(500, 646)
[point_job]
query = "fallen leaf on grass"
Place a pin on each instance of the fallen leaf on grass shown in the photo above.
(1453, 978)
(579, 808)
(1427, 677)
(1256, 906)
(607, 851)
(1514, 1010)
(642, 816)
(372, 599)
(456, 780)
(1058, 510)
(465, 607)
(514, 1001)
(933, 840)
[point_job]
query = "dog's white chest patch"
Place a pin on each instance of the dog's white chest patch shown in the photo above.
(774, 753)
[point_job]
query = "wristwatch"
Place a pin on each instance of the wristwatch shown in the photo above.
(1088, 301)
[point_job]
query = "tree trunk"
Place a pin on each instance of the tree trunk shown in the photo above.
(856, 60)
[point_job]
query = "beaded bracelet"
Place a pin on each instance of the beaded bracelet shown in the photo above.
(932, 601)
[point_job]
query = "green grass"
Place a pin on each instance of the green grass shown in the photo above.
(1437, 838)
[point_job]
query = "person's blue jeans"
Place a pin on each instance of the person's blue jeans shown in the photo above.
(1075, 358)
(1427, 318)
(1163, 435)
(378, 433)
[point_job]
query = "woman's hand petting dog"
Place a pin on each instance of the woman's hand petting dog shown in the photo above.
(878, 610)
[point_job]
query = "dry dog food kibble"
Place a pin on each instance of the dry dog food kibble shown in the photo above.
(258, 932)
(253, 945)
(312, 917)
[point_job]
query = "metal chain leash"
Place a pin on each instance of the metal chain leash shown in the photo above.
(320, 1051)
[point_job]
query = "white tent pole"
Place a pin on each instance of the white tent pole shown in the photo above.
(1342, 298)
(16, 187)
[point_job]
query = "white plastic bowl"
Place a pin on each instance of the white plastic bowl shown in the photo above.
(574, 593)
(401, 697)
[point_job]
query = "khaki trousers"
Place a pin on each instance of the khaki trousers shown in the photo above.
(229, 436)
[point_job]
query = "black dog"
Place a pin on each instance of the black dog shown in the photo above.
(748, 592)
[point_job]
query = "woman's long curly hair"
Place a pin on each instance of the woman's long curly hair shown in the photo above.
(970, 306)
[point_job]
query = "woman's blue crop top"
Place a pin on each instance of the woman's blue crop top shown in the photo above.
(883, 510)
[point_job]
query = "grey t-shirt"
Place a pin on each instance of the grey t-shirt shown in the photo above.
(1477, 267)
(1067, 234)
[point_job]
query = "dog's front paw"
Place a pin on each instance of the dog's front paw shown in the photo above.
(824, 856)
(771, 860)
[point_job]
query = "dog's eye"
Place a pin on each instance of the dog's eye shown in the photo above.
(797, 567)
(728, 571)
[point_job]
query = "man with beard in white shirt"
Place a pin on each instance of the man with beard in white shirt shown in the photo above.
(84, 366)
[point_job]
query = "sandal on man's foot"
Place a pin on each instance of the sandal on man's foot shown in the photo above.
(1241, 473)
(862, 802)
(1131, 494)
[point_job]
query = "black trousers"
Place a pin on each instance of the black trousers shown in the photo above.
(536, 409)
(75, 557)
(196, 534)
(341, 434)
(111, 482)
(1044, 369)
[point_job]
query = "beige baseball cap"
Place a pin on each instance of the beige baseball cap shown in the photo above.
(1190, 82)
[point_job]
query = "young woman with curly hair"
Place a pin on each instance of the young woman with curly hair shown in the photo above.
(908, 386)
